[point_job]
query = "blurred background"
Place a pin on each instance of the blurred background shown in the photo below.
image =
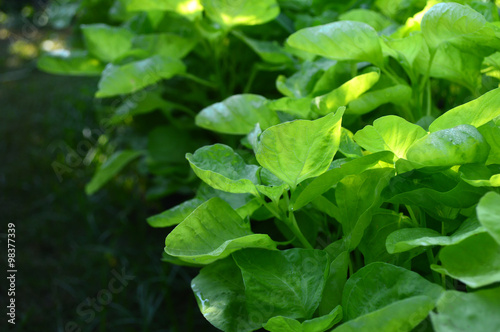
(70, 245)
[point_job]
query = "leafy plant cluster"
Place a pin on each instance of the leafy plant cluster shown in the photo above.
(365, 198)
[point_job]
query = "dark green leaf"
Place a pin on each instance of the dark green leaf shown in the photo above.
(110, 168)
(211, 232)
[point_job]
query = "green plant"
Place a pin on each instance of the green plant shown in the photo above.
(392, 228)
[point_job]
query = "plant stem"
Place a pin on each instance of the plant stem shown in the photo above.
(200, 80)
(292, 224)
(430, 258)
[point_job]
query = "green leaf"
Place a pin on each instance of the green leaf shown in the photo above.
(110, 168)
(437, 193)
(357, 196)
(400, 316)
(105, 42)
(241, 12)
(488, 213)
(220, 294)
(347, 146)
(474, 261)
(374, 19)
(188, 8)
(455, 65)
(396, 94)
(491, 133)
(237, 115)
(175, 215)
(116, 80)
(283, 324)
(300, 108)
(334, 286)
(346, 93)
(330, 178)
(465, 312)
(269, 51)
(460, 26)
(373, 245)
(142, 103)
(211, 232)
(475, 113)
(389, 133)
(302, 83)
(283, 283)
(74, 63)
(165, 44)
(407, 49)
(273, 187)
(408, 238)
(223, 169)
(380, 284)
(344, 40)
(319, 324)
(479, 175)
(301, 149)
(460, 145)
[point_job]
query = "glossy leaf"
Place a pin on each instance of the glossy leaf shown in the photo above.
(370, 17)
(357, 196)
(396, 94)
(116, 80)
(389, 133)
(380, 284)
(220, 294)
(330, 178)
(298, 150)
(346, 93)
(223, 169)
(400, 316)
(241, 12)
(211, 232)
(176, 214)
(474, 261)
(283, 283)
(300, 108)
(438, 194)
(460, 145)
(74, 63)
(237, 114)
(105, 42)
(110, 168)
(319, 324)
(408, 238)
(458, 25)
(165, 44)
(475, 113)
(488, 213)
(344, 40)
(464, 312)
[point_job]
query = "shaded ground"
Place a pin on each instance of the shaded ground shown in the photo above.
(70, 246)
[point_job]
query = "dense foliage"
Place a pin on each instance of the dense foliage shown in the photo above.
(365, 198)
